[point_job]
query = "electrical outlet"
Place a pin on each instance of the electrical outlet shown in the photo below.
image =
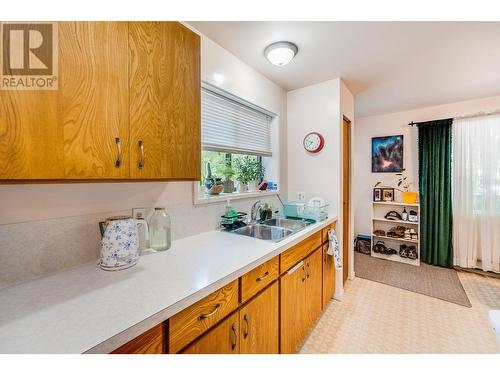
(301, 196)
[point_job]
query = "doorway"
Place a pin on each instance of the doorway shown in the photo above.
(346, 194)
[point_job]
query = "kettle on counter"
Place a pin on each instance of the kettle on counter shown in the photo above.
(120, 242)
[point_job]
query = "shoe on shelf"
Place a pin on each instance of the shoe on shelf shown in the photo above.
(412, 252)
(413, 234)
(403, 251)
(407, 234)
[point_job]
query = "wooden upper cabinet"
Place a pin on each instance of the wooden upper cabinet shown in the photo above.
(165, 128)
(120, 85)
(30, 136)
(93, 99)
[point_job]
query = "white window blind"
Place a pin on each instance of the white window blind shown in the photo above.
(228, 125)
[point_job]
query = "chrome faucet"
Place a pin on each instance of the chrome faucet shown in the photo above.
(256, 208)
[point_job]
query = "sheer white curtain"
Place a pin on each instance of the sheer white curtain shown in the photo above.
(476, 192)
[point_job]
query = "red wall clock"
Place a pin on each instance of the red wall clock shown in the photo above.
(313, 142)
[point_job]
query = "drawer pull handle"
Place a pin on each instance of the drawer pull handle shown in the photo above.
(234, 336)
(263, 277)
(118, 161)
(245, 330)
(141, 160)
(204, 316)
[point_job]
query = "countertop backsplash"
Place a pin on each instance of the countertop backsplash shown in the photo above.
(35, 249)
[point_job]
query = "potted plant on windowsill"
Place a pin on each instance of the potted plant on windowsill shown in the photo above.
(243, 174)
(404, 186)
(256, 174)
(228, 173)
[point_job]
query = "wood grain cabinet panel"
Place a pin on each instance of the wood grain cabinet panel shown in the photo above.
(314, 281)
(258, 278)
(164, 101)
(324, 232)
(259, 322)
(223, 339)
(93, 99)
(293, 308)
(298, 252)
(150, 342)
(195, 320)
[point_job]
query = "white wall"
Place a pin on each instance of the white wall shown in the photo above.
(393, 124)
(58, 243)
(314, 108)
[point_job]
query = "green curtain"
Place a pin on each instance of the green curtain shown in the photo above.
(434, 152)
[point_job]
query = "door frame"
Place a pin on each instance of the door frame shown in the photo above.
(349, 220)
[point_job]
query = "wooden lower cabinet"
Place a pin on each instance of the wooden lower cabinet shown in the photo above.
(314, 281)
(259, 323)
(223, 339)
(293, 308)
(150, 342)
(301, 301)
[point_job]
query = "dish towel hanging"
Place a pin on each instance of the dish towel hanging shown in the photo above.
(334, 250)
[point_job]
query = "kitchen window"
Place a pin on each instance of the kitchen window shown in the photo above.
(237, 148)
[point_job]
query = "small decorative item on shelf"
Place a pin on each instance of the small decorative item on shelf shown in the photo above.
(387, 194)
(213, 185)
(392, 215)
(413, 217)
(404, 185)
(377, 194)
(404, 215)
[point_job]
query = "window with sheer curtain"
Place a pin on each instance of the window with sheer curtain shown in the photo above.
(476, 192)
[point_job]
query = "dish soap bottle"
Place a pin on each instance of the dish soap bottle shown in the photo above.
(159, 230)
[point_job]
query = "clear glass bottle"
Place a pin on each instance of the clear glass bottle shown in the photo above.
(159, 230)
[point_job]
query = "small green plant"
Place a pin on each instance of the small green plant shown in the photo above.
(243, 169)
(228, 172)
(403, 183)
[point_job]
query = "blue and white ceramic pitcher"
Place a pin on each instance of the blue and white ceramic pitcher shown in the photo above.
(120, 243)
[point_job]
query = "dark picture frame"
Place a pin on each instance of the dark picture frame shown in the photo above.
(387, 154)
(377, 194)
(387, 194)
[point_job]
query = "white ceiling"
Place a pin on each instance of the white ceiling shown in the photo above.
(389, 66)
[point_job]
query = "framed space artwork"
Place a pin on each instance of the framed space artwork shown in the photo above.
(387, 154)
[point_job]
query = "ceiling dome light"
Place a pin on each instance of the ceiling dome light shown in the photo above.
(280, 53)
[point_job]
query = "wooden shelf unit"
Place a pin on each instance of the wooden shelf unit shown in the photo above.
(379, 210)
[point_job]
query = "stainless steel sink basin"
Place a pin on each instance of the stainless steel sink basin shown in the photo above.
(292, 224)
(264, 232)
(273, 229)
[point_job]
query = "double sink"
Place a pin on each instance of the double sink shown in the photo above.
(273, 229)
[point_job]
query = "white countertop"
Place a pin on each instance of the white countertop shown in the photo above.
(86, 309)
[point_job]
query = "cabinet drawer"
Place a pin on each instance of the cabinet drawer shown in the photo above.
(258, 278)
(324, 232)
(193, 321)
(295, 254)
(150, 342)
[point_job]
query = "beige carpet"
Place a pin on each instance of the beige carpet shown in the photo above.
(381, 319)
(437, 282)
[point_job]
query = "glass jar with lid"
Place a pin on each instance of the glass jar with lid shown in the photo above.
(159, 230)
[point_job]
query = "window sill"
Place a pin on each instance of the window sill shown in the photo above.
(205, 199)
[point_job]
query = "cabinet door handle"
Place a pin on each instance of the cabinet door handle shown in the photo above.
(234, 336)
(263, 277)
(118, 161)
(308, 269)
(305, 274)
(245, 329)
(204, 316)
(141, 160)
